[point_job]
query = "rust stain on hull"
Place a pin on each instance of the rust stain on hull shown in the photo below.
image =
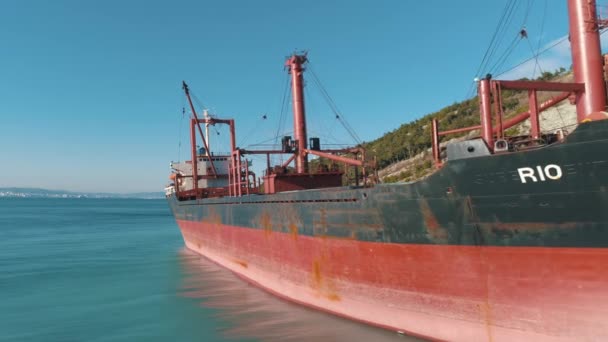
(435, 231)
(321, 284)
(486, 313)
(293, 229)
(240, 262)
(214, 218)
(266, 223)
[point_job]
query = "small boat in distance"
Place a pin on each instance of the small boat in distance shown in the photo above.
(507, 240)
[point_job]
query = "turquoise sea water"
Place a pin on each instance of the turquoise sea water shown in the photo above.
(116, 270)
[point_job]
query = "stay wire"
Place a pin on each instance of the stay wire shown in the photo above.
(537, 64)
(530, 3)
(542, 28)
(270, 140)
(501, 35)
(281, 122)
(314, 122)
(198, 102)
(181, 124)
(485, 56)
(507, 9)
(255, 126)
(323, 130)
(507, 53)
(333, 106)
(521, 34)
(529, 59)
(179, 145)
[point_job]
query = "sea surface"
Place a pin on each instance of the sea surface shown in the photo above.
(117, 270)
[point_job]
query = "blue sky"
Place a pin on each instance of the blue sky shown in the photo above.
(90, 91)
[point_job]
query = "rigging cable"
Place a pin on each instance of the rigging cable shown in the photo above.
(530, 3)
(505, 56)
(504, 19)
(529, 59)
(333, 106)
(521, 34)
(267, 142)
(281, 123)
(198, 102)
(485, 56)
(503, 22)
(314, 127)
(537, 64)
(286, 88)
(542, 28)
(501, 36)
(324, 130)
(536, 54)
(221, 145)
(181, 123)
(181, 96)
(251, 130)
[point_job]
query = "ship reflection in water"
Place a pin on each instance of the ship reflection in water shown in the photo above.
(251, 313)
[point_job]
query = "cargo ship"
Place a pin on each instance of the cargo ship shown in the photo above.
(507, 239)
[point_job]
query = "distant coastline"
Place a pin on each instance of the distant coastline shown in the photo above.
(45, 193)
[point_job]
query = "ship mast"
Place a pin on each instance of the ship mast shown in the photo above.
(586, 57)
(295, 63)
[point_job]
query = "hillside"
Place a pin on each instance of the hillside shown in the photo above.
(404, 154)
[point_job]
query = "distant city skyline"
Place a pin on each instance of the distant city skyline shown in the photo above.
(91, 99)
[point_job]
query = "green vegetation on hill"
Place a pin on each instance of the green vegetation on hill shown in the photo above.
(414, 137)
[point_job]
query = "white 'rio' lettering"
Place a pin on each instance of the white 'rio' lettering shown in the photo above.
(557, 174)
(551, 171)
(541, 176)
(526, 172)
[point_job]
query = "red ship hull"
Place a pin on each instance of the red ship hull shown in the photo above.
(447, 292)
